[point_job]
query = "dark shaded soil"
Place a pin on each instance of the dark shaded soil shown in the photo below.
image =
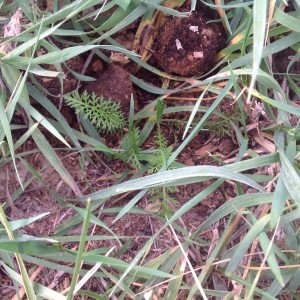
(52, 85)
(187, 46)
(283, 59)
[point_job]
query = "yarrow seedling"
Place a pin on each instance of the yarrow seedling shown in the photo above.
(106, 115)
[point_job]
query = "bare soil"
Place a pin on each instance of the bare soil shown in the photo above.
(115, 84)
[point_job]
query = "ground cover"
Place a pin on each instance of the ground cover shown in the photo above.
(149, 150)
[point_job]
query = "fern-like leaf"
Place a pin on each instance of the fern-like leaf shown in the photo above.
(160, 106)
(130, 145)
(106, 115)
(161, 154)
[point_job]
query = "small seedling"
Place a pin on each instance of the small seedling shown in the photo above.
(219, 126)
(106, 115)
(161, 154)
(164, 202)
(158, 162)
(130, 146)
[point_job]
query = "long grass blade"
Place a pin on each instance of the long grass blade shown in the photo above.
(259, 27)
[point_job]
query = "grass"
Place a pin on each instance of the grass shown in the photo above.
(243, 258)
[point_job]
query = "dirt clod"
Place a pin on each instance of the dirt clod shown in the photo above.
(187, 46)
(113, 83)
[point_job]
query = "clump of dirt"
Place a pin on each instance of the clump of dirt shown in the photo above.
(187, 46)
(114, 84)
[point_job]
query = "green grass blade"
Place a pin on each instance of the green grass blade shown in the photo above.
(60, 56)
(271, 258)
(290, 177)
(279, 197)
(17, 224)
(287, 20)
(272, 48)
(53, 159)
(194, 111)
(244, 245)
(173, 177)
(201, 123)
(135, 261)
(40, 289)
(6, 128)
(80, 251)
(275, 287)
(25, 136)
(281, 106)
(26, 282)
(46, 103)
(248, 284)
(123, 3)
(27, 246)
(235, 204)
(259, 28)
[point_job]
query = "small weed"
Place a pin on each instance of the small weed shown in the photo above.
(159, 161)
(219, 126)
(131, 149)
(161, 154)
(106, 115)
(164, 200)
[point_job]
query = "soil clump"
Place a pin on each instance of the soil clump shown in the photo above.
(114, 84)
(187, 46)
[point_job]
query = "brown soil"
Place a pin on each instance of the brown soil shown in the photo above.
(114, 84)
(187, 46)
(52, 85)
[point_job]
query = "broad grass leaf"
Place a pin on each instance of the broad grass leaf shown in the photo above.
(173, 177)
(279, 197)
(247, 284)
(271, 259)
(259, 28)
(80, 252)
(38, 288)
(17, 224)
(60, 56)
(119, 264)
(281, 106)
(122, 3)
(234, 205)
(54, 160)
(31, 247)
(245, 243)
(287, 20)
(290, 177)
